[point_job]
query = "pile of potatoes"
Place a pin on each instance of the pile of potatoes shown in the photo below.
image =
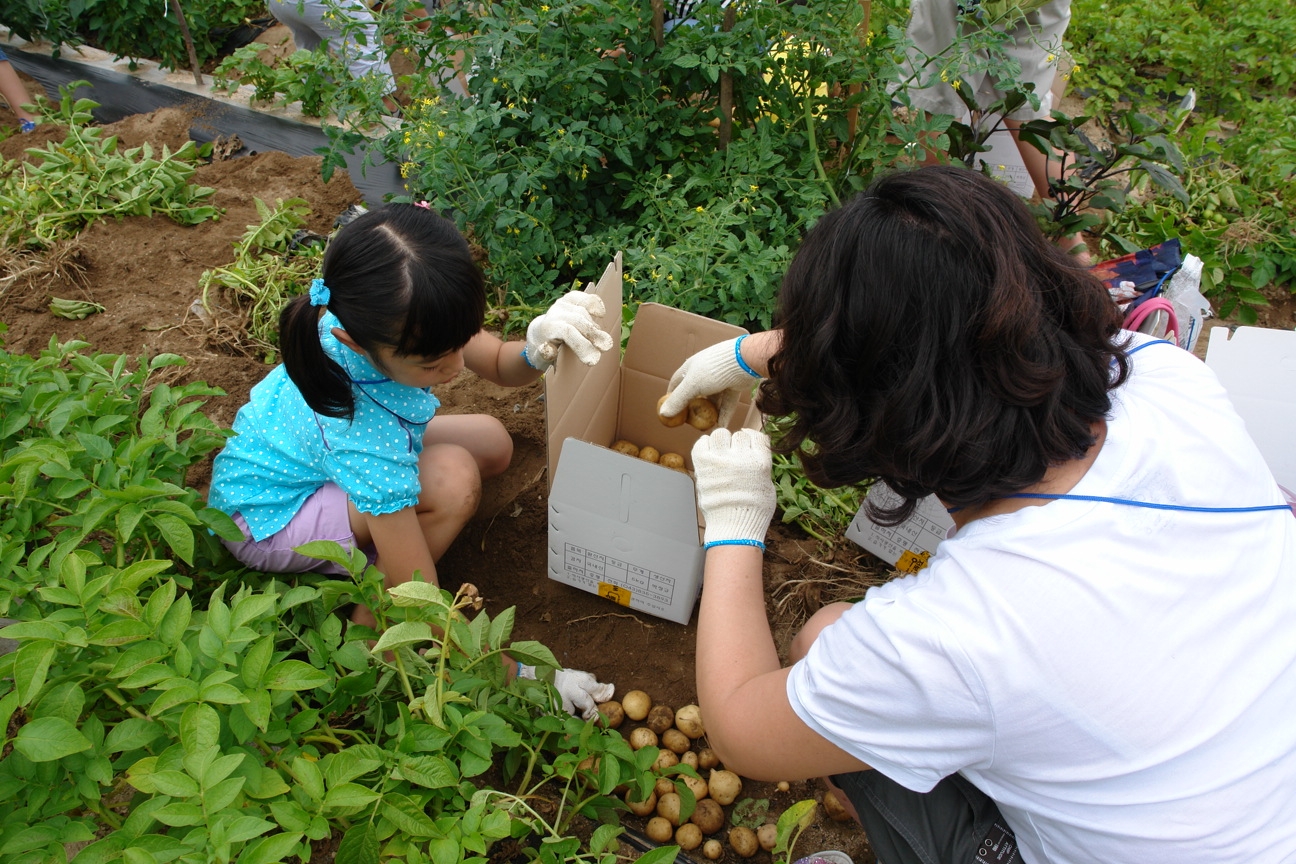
(701, 413)
(679, 734)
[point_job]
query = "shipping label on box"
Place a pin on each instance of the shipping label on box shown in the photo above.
(620, 527)
(909, 545)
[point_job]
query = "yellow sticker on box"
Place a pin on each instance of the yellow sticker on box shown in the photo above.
(912, 562)
(615, 593)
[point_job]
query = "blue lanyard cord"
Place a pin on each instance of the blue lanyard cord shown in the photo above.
(1151, 505)
(1146, 344)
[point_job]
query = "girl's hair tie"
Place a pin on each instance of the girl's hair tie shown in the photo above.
(319, 293)
(425, 205)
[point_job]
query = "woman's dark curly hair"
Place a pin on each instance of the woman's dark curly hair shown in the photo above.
(935, 339)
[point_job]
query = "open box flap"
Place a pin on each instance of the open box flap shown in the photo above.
(1257, 366)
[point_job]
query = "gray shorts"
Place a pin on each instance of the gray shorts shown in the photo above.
(954, 823)
(324, 516)
(934, 29)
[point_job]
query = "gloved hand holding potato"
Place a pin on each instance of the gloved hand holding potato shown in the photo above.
(718, 372)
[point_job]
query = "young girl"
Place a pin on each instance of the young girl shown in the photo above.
(340, 442)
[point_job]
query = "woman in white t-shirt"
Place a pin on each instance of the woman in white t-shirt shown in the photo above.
(1100, 663)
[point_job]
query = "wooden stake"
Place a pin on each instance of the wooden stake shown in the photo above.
(852, 116)
(726, 89)
(188, 40)
(659, 22)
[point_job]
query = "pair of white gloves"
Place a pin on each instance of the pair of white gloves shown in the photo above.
(733, 469)
(570, 321)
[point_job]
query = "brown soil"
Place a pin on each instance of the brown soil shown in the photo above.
(145, 272)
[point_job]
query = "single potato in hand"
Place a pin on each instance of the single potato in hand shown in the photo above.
(702, 413)
(674, 419)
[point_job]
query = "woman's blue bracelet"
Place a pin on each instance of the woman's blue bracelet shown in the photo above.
(758, 544)
(742, 364)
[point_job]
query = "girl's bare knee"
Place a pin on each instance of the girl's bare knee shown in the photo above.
(451, 481)
(497, 448)
(810, 632)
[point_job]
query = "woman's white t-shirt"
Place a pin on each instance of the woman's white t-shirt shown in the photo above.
(1120, 681)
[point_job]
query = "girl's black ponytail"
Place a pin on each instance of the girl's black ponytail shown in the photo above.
(322, 382)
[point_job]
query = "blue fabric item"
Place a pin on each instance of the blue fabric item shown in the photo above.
(319, 293)
(3, 56)
(284, 451)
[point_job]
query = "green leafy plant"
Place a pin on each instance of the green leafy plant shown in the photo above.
(130, 29)
(158, 710)
(85, 178)
(268, 270)
(307, 77)
(822, 513)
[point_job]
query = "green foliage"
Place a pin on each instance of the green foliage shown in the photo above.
(92, 450)
(1239, 144)
(128, 28)
(85, 178)
(566, 154)
(1096, 179)
(822, 513)
(268, 270)
(160, 712)
(308, 77)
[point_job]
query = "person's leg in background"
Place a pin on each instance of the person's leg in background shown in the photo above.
(15, 93)
(313, 22)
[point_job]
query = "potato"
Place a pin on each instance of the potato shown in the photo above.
(643, 737)
(644, 807)
(712, 850)
(661, 718)
(663, 786)
(665, 759)
(688, 836)
(611, 714)
(835, 809)
(707, 759)
(668, 807)
(783, 786)
(702, 413)
(708, 815)
(636, 704)
(689, 721)
(767, 836)
(674, 419)
(688, 757)
(696, 785)
(649, 453)
(674, 461)
(725, 786)
(626, 447)
(743, 841)
(659, 830)
(677, 742)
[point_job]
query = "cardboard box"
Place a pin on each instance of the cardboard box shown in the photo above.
(620, 527)
(1257, 367)
(907, 546)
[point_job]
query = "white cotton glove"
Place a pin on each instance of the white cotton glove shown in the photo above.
(580, 691)
(569, 321)
(709, 372)
(734, 487)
